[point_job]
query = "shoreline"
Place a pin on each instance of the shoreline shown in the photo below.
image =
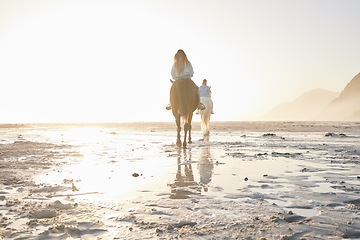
(130, 181)
(221, 126)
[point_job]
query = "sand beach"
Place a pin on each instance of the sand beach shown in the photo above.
(247, 180)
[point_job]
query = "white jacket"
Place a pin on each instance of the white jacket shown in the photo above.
(187, 73)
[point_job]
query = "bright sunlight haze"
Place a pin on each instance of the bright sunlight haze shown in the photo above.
(110, 61)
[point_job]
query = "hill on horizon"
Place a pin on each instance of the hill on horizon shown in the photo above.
(320, 105)
(346, 107)
(303, 108)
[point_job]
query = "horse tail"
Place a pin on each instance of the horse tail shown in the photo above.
(183, 108)
(205, 114)
(184, 96)
(185, 119)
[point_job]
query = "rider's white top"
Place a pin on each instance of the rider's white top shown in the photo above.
(187, 73)
(204, 91)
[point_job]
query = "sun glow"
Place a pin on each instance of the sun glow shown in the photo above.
(108, 165)
(88, 61)
(101, 62)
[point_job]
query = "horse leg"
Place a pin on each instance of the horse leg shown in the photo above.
(189, 127)
(186, 128)
(189, 133)
(178, 140)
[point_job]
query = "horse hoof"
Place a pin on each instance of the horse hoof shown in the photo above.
(178, 143)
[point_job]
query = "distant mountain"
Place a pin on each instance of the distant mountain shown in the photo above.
(322, 105)
(346, 107)
(303, 108)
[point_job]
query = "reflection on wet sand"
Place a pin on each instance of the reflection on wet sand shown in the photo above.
(301, 182)
(184, 184)
(205, 167)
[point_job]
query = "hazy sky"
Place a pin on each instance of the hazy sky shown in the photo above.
(111, 60)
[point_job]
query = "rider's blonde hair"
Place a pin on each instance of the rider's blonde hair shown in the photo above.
(180, 59)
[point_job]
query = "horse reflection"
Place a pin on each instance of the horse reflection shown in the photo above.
(184, 184)
(205, 167)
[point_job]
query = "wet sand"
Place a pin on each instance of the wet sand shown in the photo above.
(247, 180)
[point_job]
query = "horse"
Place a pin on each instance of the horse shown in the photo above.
(205, 114)
(184, 101)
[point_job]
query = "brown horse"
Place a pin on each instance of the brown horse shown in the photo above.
(184, 101)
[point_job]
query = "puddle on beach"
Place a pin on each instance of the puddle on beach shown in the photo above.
(112, 165)
(109, 182)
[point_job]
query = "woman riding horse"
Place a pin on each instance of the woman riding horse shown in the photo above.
(182, 69)
(205, 91)
(184, 96)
